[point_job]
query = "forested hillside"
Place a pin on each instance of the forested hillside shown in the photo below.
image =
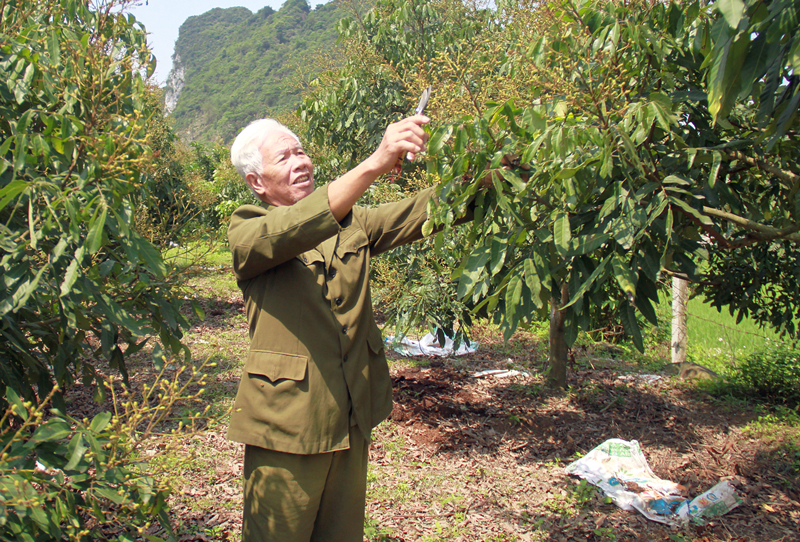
(232, 65)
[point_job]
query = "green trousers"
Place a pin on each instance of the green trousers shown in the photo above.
(305, 498)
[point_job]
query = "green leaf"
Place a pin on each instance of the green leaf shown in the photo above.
(691, 210)
(513, 297)
(100, 422)
(94, 239)
(76, 451)
(54, 49)
(607, 159)
(613, 200)
(22, 88)
(474, 268)
(677, 179)
(11, 191)
(562, 234)
(599, 270)
(661, 107)
(24, 291)
(32, 224)
(732, 11)
(668, 230)
(438, 138)
(715, 167)
(149, 254)
(72, 272)
(566, 173)
(498, 251)
(427, 228)
(119, 315)
(52, 430)
(462, 138)
(631, 326)
(16, 402)
(625, 278)
(647, 310)
(110, 494)
(514, 179)
(724, 75)
(586, 244)
(533, 282)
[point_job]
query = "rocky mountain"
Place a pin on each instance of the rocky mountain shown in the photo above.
(231, 66)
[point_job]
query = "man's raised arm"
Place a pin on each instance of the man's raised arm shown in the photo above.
(405, 136)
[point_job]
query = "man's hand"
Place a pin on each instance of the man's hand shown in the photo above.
(405, 136)
(400, 138)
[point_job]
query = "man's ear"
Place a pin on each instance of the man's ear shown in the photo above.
(256, 182)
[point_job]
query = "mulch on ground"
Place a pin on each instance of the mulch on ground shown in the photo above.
(514, 439)
(482, 459)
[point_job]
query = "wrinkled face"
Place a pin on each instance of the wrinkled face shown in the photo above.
(287, 175)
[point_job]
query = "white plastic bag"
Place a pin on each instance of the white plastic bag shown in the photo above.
(429, 346)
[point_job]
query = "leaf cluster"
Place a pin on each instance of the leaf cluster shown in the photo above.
(74, 141)
(613, 171)
(63, 478)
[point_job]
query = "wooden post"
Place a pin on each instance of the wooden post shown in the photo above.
(679, 298)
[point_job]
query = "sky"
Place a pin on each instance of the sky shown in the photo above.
(163, 18)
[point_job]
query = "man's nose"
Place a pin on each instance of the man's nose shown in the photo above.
(302, 163)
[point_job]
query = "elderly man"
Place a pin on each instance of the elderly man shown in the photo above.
(315, 381)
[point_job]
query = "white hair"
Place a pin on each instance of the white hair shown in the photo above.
(246, 148)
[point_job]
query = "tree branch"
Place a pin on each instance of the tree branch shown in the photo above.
(789, 179)
(757, 233)
(767, 232)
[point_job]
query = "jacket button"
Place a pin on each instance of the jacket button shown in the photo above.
(344, 330)
(338, 301)
(331, 273)
(344, 359)
(305, 260)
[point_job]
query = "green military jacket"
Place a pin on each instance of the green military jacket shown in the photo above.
(316, 363)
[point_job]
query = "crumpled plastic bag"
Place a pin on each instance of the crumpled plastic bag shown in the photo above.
(619, 468)
(429, 346)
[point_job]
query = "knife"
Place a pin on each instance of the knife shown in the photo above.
(423, 102)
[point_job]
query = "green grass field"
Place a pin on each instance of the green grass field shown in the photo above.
(716, 340)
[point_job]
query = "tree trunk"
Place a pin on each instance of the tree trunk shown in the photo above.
(557, 371)
(679, 298)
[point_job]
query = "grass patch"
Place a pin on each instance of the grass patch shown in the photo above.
(204, 253)
(716, 341)
(780, 431)
(770, 375)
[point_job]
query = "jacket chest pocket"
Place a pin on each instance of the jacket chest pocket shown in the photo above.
(311, 257)
(351, 242)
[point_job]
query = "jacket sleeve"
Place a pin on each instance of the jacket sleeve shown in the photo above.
(263, 237)
(393, 224)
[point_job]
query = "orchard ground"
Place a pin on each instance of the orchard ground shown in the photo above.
(482, 459)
